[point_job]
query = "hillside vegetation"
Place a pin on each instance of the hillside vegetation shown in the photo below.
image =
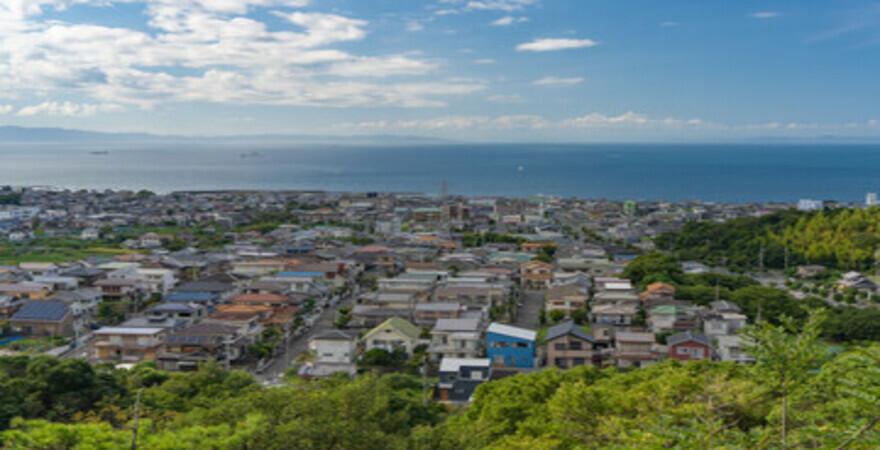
(796, 396)
(843, 238)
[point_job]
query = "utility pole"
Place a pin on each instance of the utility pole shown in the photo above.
(761, 257)
(425, 381)
(786, 258)
(134, 428)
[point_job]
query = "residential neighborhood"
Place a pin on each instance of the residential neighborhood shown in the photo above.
(311, 284)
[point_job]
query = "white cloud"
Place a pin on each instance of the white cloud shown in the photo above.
(670, 24)
(381, 67)
(502, 98)
(6, 109)
(204, 50)
(596, 122)
(414, 25)
(549, 45)
(556, 81)
(765, 15)
(484, 61)
(528, 122)
(509, 20)
(66, 109)
(459, 6)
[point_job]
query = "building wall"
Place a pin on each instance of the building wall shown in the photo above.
(334, 351)
(690, 351)
(509, 351)
(567, 357)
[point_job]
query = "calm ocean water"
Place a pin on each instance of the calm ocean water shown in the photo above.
(731, 173)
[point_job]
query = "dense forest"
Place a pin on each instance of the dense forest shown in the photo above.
(843, 238)
(797, 395)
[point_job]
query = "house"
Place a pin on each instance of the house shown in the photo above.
(459, 378)
(27, 290)
(83, 302)
(673, 317)
(157, 280)
(730, 348)
(334, 352)
(221, 290)
(568, 346)
(89, 234)
(535, 274)
(689, 346)
(717, 323)
(150, 240)
(44, 318)
(455, 338)
(509, 346)
(187, 312)
(274, 300)
(566, 298)
(127, 344)
(856, 280)
(618, 315)
(657, 292)
(202, 298)
(394, 333)
(427, 314)
(634, 349)
(9, 304)
(333, 347)
(119, 289)
(185, 349)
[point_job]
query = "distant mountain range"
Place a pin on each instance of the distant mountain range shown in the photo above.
(25, 135)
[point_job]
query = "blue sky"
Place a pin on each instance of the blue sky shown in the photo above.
(484, 70)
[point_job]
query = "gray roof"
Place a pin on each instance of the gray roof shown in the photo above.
(204, 286)
(42, 310)
(333, 335)
(567, 327)
(457, 325)
(686, 336)
(172, 307)
(724, 305)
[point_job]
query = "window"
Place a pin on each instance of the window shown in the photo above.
(683, 350)
(577, 362)
(499, 344)
(559, 346)
(697, 353)
(476, 375)
(559, 362)
(575, 345)
(521, 345)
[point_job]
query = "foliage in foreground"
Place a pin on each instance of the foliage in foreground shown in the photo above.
(795, 396)
(669, 405)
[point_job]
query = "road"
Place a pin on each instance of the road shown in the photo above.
(527, 314)
(298, 345)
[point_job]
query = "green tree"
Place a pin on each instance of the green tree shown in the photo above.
(785, 354)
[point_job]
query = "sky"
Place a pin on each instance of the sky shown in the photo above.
(477, 70)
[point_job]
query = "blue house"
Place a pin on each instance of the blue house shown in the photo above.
(509, 346)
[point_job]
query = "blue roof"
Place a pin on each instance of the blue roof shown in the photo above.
(300, 274)
(40, 310)
(191, 297)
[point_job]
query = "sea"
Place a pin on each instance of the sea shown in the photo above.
(708, 172)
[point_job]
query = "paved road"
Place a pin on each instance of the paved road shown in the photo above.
(298, 345)
(527, 314)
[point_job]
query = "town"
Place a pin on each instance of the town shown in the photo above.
(310, 284)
